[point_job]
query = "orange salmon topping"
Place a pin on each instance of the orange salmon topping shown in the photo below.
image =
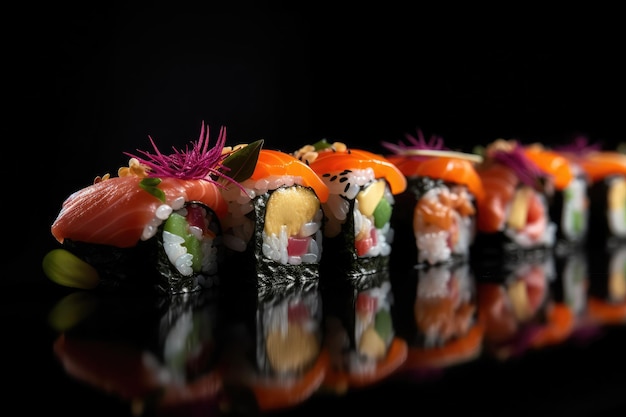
(360, 159)
(273, 162)
(453, 170)
(115, 211)
(553, 164)
(599, 165)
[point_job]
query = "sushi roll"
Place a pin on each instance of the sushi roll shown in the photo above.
(357, 230)
(513, 215)
(606, 173)
(567, 199)
(435, 217)
(156, 225)
(273, 225)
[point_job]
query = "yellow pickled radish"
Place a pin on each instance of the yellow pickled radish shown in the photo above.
(290, 206)
(65, 268)
(617, 194)
(368, 198)
(519, 208)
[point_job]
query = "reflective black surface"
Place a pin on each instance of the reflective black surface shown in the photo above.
(91, 83)
(542, 335)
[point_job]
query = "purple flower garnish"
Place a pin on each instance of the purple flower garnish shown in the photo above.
(525, 169)
(580, 146)
(197, 162)
(419, 143)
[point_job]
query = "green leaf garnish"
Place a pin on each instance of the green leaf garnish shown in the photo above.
(151, 185)
(321, 144)
(66, 269)
(241, 163)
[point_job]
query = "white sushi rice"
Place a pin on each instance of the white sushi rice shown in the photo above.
(177, 253)
(160, 215)
(348, 183)
(173, 246)
(466, 228)
(432, 245)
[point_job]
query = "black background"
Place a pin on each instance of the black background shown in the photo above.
(88, 83)
(91, 82)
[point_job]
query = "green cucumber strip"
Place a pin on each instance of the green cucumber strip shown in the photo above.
(382, 213)
(178, 225)
(194, 248)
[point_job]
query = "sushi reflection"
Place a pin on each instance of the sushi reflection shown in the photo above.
(360, 335)
(443, 329)
(571, 288)
(169, 366)
(572, 280)
(274, 358)
(606, 302)
(519, 311)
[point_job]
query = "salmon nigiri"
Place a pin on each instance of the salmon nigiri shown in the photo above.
(361, 188)
(174, 199)
(436, 215)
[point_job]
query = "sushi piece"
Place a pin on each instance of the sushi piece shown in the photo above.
(273, 225)
(160, 216)
(606, 173)
(357, 231)
(568, 199)
(513, 214)
(435, 217)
